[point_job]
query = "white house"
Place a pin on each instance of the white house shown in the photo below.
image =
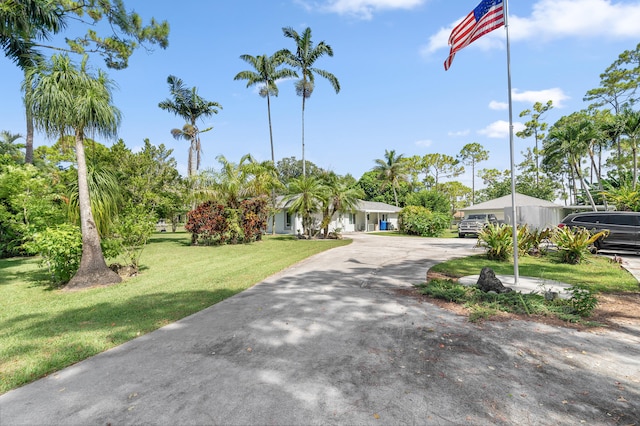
(368, 216)
(533, 211)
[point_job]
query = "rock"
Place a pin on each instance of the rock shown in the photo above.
(488, 282)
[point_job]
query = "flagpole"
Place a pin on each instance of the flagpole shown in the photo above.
(513, 179)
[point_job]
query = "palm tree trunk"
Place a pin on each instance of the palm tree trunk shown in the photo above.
(28, 155)
(93, 269)
(594, 166)
(576, 166)
(304, 166)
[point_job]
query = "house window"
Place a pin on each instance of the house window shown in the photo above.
(352, 218)
(287, 221)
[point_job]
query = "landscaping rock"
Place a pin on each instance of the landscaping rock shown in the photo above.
(488, 282)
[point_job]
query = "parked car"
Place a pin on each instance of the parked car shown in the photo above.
(475, 223)
(624, 228)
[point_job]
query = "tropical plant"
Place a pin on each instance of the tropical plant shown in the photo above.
(498, 240)
(132, 230)
(66, 99)
(530, 240)
(266, 73)
(391, 170)
(576, 244)
(631, 129)
(304, 59)
(306, 196)
(341, 198)
(10, 149)
(187, 104)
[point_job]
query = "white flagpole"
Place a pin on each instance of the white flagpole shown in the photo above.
(513, 178)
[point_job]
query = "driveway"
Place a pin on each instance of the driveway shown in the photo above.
(330, 341)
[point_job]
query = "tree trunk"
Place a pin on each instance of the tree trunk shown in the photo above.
(304, 165)
(598, 175)
(28, 155)
(576, 166)
(273, 160)
(93, 270)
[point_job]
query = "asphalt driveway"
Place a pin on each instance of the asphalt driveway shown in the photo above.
(330, 341)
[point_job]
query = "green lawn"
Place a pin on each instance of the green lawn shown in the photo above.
(597, 274)
(44, 330)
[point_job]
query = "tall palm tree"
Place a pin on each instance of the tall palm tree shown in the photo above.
(265, 72)
(65, 100)
(304, 58)
(391, 170)
(187, 104)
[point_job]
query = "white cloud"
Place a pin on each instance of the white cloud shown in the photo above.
(498, 106)
(555, 94)
(556, 19)
(363, 9)
(424, 143)
(459, 133)
(500, 129)
(532, 96)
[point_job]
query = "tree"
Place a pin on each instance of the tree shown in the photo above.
(29, 23)
(10, 149)
(306, 195)
(187, 104)
(266, 73)
(64, 100)
(340, 198)
(568, 142)
(631, 129)
(304, 59)
(473, 153)
(290, 168)
(391, 170)
(535, 128)
(457, 193)
(439, 166)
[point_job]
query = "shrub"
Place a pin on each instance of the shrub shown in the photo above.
(417, 220)
(212, 223)
(582, 301)
(132, 230)
(575, 244)
(498, 240)
(61, 251)
(433, 200)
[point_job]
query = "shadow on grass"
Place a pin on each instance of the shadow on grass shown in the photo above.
(114, 322)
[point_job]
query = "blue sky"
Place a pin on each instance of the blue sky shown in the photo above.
(389, 60)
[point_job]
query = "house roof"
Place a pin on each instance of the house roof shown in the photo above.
(502, 202)
(376, 207)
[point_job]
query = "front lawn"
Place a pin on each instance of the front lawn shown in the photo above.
(44, 330)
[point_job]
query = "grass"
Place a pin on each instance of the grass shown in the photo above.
(598, 274)
(44, 330)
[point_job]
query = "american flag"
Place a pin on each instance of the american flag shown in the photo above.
(486, 17)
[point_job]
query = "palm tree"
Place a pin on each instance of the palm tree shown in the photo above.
(340, 198)
(631, 129)
(306, 194)
(303, 59)
(568, 142)
(8, 147)
(186, 103)
(391, 171)
(65, 100)
(266, 73)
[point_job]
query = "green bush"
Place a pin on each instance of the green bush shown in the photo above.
(417, 220)
(498, 240)
(529, 241)
(132, 230)
(582, 301)
(433, 200)
(60, 249)
(575, 245)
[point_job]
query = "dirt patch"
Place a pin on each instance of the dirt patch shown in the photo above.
(614, 310)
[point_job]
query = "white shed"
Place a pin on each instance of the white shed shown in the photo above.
(533, 211)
